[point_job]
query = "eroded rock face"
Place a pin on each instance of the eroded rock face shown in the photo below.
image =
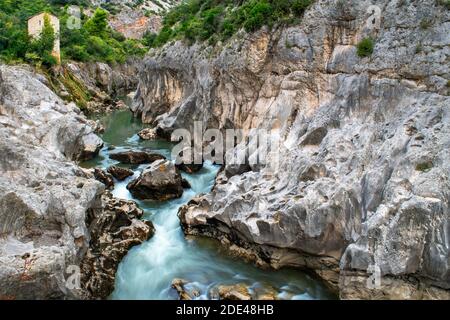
(104, 80)
(115, 227)
(136, 157)
(46, 200)
(45, 117)
(160, 181)
(148, 134)
(44, 196)
(120, 173)
(104, 177)
(95, 86)
(134, 24)
(362, 182)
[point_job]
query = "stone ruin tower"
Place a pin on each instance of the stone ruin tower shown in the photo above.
(35, 26)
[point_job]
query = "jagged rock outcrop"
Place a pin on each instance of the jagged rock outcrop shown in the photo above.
(43, 195)
(104, 177)
(134, 18)
(134, 24)
(136, 157)
(30, 108)
(362, 187)
(101, 78)
(115, 227)
(120, 173)
(94, 86)
(45, 198)
(148, 134)
(160, 181)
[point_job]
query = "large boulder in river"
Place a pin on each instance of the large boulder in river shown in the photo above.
(234, 292)
(185, 290)
(104, 177)
(160, 181)
(120, 173)
(89, 147)
(136, 157)
(189, 168)
(148, 134)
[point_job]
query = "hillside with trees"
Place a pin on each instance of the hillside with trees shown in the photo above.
(94, 41)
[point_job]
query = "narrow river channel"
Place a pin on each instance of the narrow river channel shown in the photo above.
(149, 269)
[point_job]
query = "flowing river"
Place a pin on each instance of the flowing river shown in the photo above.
(149, 269)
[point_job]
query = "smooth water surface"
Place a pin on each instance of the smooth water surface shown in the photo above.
(149, 269)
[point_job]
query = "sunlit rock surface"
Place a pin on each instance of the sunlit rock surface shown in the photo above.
(160, 181)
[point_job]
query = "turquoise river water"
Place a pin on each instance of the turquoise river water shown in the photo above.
(149, 269)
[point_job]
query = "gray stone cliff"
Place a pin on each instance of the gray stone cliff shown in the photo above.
(363, 186)
(49, 207)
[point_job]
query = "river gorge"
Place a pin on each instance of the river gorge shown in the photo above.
(200, 263)
(92, 205)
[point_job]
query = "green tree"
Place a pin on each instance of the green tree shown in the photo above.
(47, 37)
(43, 45)
(259, 13)
(76, 44)
(13, 39)
(98, 24)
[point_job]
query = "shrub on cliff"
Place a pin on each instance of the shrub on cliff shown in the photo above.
(78, 53)
(365, 47)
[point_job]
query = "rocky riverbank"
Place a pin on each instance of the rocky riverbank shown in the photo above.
(361, 192)
(54, 215)
(115, 227)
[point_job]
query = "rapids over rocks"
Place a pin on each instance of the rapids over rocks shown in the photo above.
(169, 262)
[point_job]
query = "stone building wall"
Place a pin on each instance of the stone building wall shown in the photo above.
(35, 26)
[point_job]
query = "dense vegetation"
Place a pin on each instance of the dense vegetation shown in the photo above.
(94, 41)
(192, 20)
(214, 20)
